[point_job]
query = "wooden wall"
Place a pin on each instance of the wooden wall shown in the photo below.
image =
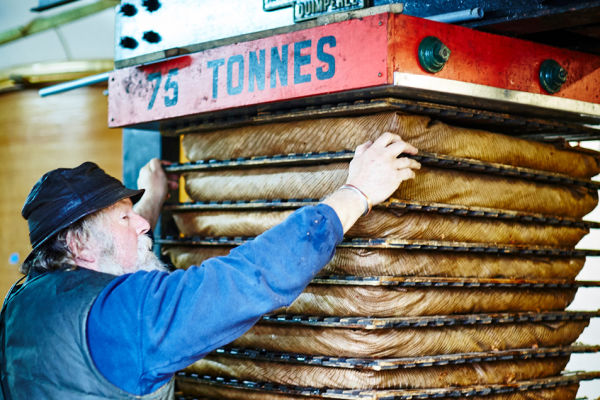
(40, 134)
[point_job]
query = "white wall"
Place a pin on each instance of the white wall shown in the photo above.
(589, 299)
(88, 38)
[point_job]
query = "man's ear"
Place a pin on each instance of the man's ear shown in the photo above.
(83, 255)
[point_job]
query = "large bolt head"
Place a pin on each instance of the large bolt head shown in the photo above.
(552, 76)
(433, 54)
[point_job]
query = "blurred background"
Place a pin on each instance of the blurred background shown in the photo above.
(40, 134)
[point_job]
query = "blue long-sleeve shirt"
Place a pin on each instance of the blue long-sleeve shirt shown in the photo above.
(144, 327)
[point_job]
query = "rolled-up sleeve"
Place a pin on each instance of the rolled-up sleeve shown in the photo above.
(144, 327)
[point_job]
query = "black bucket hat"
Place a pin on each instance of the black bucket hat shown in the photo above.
(65, 195)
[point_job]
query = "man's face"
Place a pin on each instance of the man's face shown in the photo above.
(127, 230)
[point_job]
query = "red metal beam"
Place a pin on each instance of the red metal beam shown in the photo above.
(492, 60)
(354, 54)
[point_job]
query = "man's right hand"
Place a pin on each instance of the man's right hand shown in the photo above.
(376, 170)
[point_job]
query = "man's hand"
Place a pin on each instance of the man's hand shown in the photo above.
(156, 183)
(376, 171)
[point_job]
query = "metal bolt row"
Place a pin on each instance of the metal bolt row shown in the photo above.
(406, 362)
(461, 247)
(445, 209)
(396, 394)
(427, 321)
(430, 159)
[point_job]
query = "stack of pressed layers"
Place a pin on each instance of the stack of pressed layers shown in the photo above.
(340, 296)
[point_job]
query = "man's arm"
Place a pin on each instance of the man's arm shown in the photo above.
(375, 172)
(144, 327)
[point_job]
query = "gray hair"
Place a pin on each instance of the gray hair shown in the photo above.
(55, 254)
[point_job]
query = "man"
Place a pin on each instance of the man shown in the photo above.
(99, 318)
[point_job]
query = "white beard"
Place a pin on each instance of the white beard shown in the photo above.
(146, 260)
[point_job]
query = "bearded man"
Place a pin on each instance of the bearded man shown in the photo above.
(99, 317)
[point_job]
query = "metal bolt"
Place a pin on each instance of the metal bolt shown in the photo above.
(552, 76)
(128, 10)
(151, 5)
(151, 37)
(128, 42)
(433, 54)
(379, 74)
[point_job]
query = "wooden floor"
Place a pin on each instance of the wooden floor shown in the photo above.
(37, 135)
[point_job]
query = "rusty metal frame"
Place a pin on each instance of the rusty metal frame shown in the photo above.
(437, 321)
(381, 364)
(425, 158)
(449, 282)
(392, 394)
(408, 206)
(370, 101)
(399, 244)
